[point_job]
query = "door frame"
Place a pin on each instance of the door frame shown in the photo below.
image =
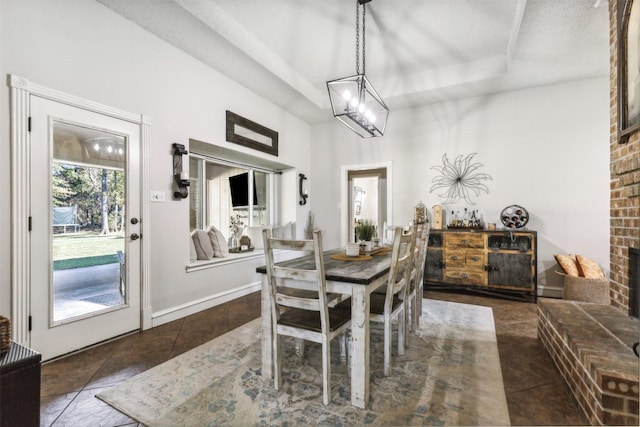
(344, 194)
(21, 90)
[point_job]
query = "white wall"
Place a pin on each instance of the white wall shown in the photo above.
(546, 148)
(84, 49)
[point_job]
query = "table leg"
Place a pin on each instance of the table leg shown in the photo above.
(360, 347)
(267, 330)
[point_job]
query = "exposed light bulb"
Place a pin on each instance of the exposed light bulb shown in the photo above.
(120, 151)
(354, 102)
(109, 149)
(361, 108)
(97, 147)
(346, 95)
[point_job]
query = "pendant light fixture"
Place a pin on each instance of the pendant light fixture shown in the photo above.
(354, 101)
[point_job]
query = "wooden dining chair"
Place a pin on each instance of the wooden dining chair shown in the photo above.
(416, 283)
(391, 302)
(303, 315)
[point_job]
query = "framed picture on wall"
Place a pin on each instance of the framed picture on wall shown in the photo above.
(628, 68)
(250, 134)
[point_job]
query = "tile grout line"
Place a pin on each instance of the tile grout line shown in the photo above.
(83, 388)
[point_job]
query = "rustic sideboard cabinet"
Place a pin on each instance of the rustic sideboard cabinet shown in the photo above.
(495, 262)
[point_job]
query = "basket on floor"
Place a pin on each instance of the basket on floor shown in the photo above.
(5, 334)
(586, 290)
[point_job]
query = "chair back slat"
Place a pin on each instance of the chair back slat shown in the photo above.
(402, 255)
(420, 252)
(282, 278)
(298, 302)
(292, 245)
(295, 274)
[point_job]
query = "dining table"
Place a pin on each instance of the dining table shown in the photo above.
(355, 277)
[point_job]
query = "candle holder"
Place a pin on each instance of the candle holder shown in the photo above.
(181, 178)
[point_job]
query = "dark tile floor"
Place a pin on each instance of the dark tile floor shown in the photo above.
(536, 394)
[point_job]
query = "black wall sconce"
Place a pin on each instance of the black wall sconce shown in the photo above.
(182, 178)
(304, 194)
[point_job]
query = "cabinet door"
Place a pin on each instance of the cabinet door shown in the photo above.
(433, 268)
(512, 271)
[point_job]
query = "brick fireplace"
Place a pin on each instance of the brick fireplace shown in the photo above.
(591, 344)
(624, 184)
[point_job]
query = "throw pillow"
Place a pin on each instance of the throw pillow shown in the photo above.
(589, 268)
(219, 243)
(193, 254)
(568, 264)
(202, 242)
(255, 234)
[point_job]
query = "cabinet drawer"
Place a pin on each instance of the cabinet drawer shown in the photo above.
(462, 258)
(455, 258)
(466, 276)
(465, 240)
(474, 258)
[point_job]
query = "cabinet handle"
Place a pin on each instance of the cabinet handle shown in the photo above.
(474, 258)
(464, 275)
(454, 258)
(465, 242)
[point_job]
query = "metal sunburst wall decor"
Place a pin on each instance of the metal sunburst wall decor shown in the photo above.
(460, 178)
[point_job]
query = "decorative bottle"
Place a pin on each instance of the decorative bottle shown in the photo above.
(465, 218)
(473, 222)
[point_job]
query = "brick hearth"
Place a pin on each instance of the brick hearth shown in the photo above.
(591, 345)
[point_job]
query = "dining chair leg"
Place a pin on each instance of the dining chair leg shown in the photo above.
(402, 336)
(326, 372)
(343, 348)
(277, 362)
(415, 313)
(299, 347)
(387, 347)
(419, 297)
(349, 340)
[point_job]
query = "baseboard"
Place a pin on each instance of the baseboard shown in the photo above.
(183, 310)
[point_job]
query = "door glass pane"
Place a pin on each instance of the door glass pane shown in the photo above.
(88, 222)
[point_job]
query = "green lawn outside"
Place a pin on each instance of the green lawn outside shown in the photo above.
(85, 249)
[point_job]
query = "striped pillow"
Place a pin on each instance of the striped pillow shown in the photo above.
(568, 264)
(588, 268)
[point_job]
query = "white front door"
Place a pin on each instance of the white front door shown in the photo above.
(84, 210)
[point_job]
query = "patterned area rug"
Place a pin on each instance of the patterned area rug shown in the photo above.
(449, 375)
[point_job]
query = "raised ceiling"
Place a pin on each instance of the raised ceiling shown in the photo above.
(417, 51)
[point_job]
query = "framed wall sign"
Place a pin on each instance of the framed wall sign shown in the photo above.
(250, 134)
(628, 68)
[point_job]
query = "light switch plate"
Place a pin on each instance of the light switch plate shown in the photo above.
(157, 196)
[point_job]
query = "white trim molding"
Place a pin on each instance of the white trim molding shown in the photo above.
(20, 91)
(344, 194)
(20, 190)
(192, 307)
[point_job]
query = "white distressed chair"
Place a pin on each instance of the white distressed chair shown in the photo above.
(304, 315)
(416, 284)
(391, 302)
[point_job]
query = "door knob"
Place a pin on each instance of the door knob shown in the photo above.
(135, 236)
(134, 221)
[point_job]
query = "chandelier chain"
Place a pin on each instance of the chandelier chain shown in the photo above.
(358, 35)
(364, 41)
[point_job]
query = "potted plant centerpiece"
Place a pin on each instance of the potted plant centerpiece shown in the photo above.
(365, 230)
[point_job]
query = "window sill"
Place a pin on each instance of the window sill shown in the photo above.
(230, 259)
